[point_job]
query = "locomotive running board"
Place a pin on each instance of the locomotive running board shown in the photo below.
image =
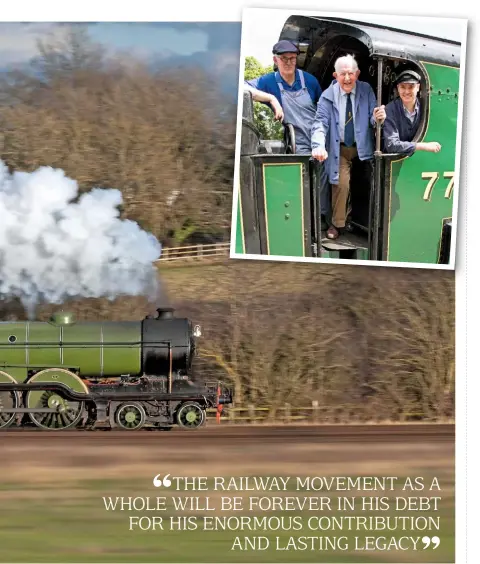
(347, 245)
(31, 410)
(115, 395)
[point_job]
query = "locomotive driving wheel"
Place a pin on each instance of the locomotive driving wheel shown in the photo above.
(67, 413)
(8, 400)
(130, 416)
(191, 415)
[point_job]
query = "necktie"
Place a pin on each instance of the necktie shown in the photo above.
(349, 134)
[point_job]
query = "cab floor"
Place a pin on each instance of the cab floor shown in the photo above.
(345, 241)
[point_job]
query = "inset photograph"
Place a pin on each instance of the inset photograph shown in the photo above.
(348, 138)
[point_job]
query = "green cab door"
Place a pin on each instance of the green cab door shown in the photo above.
(283, 204)
(419, 189)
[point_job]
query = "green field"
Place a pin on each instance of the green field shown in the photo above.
(68, 522)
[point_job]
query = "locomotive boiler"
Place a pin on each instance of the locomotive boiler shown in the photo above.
(64, 374)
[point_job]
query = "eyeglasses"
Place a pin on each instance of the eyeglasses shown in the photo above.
(288, 59)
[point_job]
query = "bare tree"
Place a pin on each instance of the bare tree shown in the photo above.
(155, 136)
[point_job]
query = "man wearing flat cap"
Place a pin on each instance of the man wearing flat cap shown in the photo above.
(403, 118)
(292, 93)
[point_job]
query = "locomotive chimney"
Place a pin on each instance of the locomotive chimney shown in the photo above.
(165, 313)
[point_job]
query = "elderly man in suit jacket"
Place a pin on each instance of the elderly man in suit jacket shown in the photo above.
(342, 130)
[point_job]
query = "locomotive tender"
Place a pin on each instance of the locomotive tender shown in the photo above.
(64, 374)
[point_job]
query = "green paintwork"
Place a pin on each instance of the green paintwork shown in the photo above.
(130, 417)
(284, 209)
(6, 378)
(15, 353)
(361, 253)
(18, 373)
(415, 228)
(60, 375)
(43, 333)
(239, 245)
(97, 349)
(326, 253)
(117, 360)
(191, 416)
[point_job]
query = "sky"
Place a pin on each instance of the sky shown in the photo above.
(261, 28)
(213, 46)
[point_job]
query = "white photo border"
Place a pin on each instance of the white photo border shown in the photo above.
(249, 17)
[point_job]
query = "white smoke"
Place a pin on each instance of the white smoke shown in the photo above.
(53, 248)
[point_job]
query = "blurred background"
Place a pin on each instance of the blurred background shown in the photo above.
(150, 109)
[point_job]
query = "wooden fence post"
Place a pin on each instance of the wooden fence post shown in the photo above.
(315, 411)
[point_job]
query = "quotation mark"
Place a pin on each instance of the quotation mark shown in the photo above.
(158, 482)
(427, 540)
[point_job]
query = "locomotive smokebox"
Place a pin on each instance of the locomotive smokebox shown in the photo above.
(168, 343)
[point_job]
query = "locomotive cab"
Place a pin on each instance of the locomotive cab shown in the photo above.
(395, 214)
(366, 204)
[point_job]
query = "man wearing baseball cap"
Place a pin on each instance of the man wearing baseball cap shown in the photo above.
(403, 118)
(292, 93)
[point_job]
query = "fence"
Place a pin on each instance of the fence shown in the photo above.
(195, 252)
(308, 415)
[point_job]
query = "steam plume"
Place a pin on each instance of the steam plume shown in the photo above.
(53, 248)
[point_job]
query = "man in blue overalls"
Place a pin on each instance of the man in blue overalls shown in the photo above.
(293, 95)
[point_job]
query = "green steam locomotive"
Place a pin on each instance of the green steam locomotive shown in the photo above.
(401, 207)
(65, 374)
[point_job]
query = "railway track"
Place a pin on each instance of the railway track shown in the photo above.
(279, 434)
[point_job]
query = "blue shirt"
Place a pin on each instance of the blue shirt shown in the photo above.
(267, 83)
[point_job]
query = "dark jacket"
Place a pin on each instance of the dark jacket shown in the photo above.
(398, 130)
